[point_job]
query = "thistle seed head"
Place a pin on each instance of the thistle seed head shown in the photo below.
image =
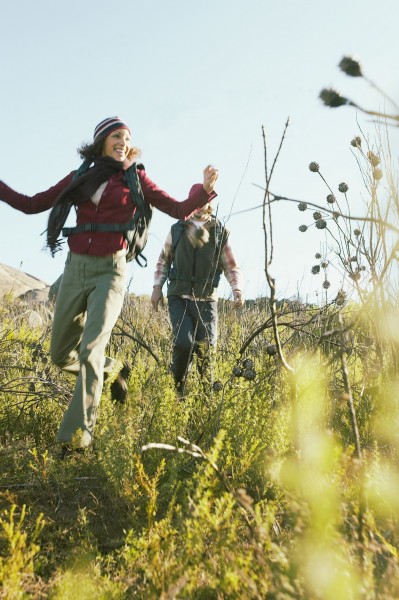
(248, 363)
(315, 269)
(249, 374)
(324, 265)
(331, 199)
(357, 232)
(350, 67)
(317, 215)
(336, 215)
(237, 372)
(332, 98)
(321, 224)
(341, 298)
(317, 255)
(343, 187)
(302, 206)
(373, 158)
(314, 167)
(356, 142)
(355, 276)
(271, 350)
(303, 228)
(326, 284)
(217, 386)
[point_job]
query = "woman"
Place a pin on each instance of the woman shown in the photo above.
(91, 294)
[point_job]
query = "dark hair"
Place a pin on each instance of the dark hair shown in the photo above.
(95, 149)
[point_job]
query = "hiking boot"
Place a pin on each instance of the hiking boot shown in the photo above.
(119, 386)
(69, 450)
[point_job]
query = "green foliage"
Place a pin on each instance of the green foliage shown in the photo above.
(18, 543)
(276, 477)
(274, 503)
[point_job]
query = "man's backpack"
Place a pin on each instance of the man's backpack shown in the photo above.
(135, 230)
(177, 231)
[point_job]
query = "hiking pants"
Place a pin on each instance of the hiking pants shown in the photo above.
(194, 325)
(88, 305)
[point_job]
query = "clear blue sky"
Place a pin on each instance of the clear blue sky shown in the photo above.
(196, 81)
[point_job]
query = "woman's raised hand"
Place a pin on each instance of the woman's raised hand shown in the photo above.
(210, 177)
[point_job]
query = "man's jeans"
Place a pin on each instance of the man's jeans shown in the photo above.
(194, 326)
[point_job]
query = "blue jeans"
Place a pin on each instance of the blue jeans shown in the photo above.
(194, 325)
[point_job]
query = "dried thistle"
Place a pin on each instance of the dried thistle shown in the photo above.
(332, 98)
(316, 269)
(321, 224)
(357, 232)
(317, 255)
(341, 298)
(237, 371)
(248, 363)
(343, 187)
(356, 142)
(373, 158)
(317, 215)
(331, 199)
(314, 167)
(326, 284)
(271, 350)
(377, 174)
(249, 374)
(303, 228)
(302, 206)
(350, 67)
(355, 275)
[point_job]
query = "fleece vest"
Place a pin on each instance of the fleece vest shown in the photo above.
(196, 271)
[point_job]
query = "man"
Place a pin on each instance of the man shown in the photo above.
(195, 254)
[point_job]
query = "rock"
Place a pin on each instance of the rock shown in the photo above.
(18, 283)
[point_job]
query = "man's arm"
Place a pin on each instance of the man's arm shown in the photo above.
(232, 273)
(161, 271)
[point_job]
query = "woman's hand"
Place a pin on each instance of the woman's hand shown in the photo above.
(210, 177)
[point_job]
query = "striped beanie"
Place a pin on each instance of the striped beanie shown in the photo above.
(105, 127)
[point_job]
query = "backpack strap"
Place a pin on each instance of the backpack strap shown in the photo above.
(177, 231)
(101, 227)
(133, 183)
(84, 167)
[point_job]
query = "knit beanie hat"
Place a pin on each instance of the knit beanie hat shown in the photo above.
(107, 126)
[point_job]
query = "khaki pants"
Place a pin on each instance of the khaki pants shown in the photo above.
(88, 305)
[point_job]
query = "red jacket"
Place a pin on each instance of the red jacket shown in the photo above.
(115, 206)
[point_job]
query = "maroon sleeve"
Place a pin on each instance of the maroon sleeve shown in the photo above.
(33, 204)
(179, 210)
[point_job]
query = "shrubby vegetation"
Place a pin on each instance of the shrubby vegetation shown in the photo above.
(276, 477)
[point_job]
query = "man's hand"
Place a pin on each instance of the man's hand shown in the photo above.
(210, 176)
(238, 299)
(156, 296)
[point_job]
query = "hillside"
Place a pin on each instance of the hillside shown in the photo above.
(17, 283)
